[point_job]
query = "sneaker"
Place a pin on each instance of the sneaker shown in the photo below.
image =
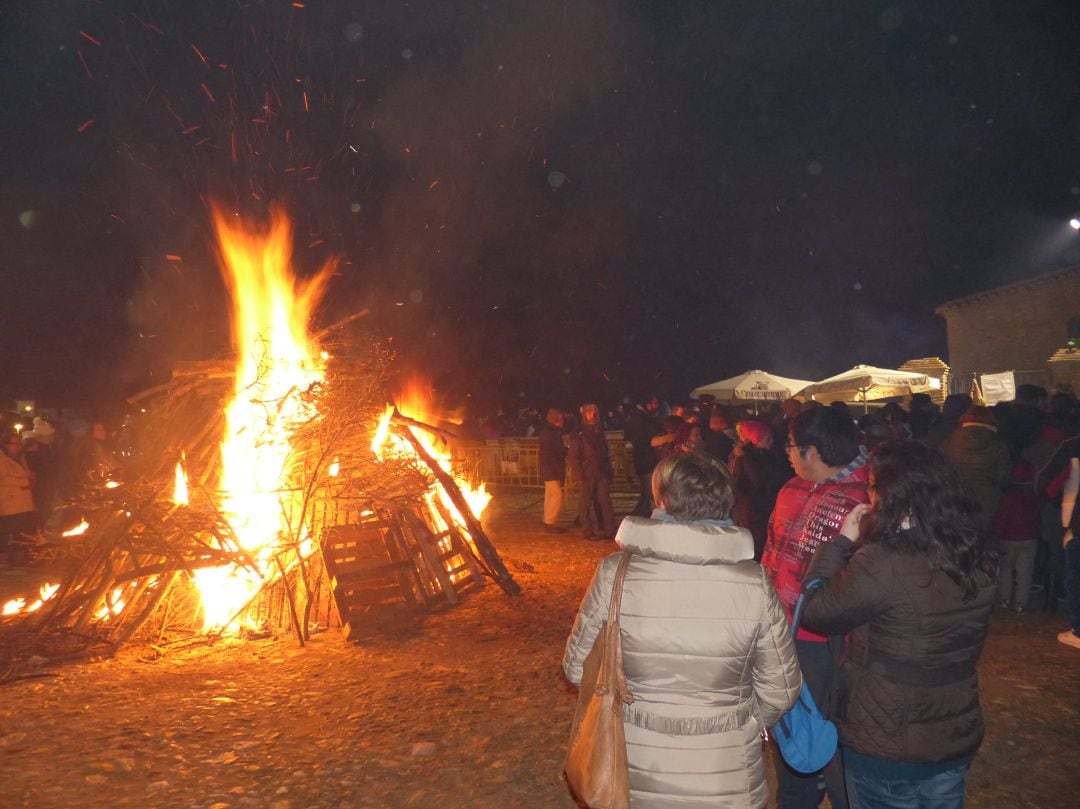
(1069, 638)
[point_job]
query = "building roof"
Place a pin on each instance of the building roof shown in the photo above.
(1066, 355)
(1004, 289)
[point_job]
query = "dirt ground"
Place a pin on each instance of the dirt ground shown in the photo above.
(470, 710)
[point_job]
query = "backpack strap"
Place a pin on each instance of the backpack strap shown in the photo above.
(807, 588)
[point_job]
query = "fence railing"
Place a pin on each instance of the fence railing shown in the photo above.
(516, 461)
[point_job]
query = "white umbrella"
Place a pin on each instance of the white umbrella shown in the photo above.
(752, 386)
(865, 383)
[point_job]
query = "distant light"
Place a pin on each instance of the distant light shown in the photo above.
(1074, 224)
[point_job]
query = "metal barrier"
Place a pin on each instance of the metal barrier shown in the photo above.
(516, 462)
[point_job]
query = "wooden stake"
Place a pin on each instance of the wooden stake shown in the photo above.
(488, 555)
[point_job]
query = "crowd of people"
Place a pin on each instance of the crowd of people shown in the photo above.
(902, 529)
(41, 468)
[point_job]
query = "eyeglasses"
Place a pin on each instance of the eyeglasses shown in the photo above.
(788, 447)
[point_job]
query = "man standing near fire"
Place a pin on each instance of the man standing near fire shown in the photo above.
(591, 464)
(830, 480)
(553, 469)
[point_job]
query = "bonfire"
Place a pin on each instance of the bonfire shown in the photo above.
(278, 487)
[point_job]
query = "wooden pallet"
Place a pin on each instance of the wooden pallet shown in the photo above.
(390, 567)
(446, 555)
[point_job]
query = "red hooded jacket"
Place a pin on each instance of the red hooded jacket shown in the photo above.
(807, 514)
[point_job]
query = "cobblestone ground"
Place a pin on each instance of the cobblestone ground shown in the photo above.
(469, 710)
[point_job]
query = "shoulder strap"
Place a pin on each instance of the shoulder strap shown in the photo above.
(614, 677)
(796, 616)
(616, 588)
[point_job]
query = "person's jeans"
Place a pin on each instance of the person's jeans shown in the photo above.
(594, 506)
(1018, 558)
(942, 791)
(795, 790)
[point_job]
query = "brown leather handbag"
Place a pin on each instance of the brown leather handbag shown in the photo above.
(596, 760)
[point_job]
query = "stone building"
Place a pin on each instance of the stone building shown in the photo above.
(1017, 327)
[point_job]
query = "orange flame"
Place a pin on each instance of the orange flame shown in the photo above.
(382, 432)
(415, 401)
(19, 605)
(180, 488)
(276, 362)
(77, 530)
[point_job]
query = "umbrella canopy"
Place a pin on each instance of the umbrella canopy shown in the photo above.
(865, 383)
(752, 386)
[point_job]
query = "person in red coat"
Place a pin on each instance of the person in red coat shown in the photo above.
(830, 481)
(1016, 527)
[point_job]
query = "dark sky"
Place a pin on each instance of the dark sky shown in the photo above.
(538, 201)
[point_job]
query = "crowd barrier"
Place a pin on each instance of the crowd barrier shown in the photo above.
(516, 462)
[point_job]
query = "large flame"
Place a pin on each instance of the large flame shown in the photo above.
(276, 362)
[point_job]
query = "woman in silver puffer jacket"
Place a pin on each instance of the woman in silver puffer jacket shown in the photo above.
(707, 650)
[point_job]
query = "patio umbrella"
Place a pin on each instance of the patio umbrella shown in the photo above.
(752, 386)
(865, 383)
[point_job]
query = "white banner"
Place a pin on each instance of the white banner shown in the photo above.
(999, 387)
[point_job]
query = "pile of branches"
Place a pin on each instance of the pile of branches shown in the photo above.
(141, 548)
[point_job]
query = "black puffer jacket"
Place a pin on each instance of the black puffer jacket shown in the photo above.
(908, 686)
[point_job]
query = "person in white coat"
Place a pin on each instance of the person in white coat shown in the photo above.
(707, 649)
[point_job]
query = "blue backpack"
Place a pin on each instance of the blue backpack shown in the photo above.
(807, 739)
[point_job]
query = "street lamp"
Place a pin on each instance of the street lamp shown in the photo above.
(1074, 223)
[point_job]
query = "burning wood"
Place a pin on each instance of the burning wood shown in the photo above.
(244, 477)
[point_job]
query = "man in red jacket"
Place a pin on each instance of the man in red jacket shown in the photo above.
(830, 480)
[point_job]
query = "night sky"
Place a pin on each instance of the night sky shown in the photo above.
(539, 202)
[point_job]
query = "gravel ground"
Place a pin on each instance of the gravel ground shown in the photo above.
(469, 709)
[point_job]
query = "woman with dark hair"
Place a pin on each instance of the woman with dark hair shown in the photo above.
(911, 581)
(707, 652)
